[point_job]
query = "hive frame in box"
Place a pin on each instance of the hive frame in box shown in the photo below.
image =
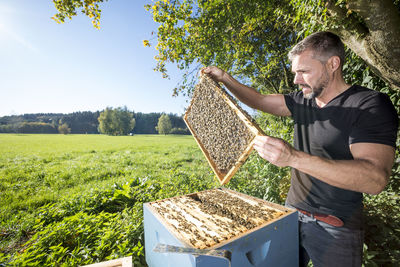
(273, 243)
(224, 177)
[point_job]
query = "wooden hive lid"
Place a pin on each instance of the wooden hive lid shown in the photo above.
(222, 129)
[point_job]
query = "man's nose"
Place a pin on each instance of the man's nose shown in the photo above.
(298, 78)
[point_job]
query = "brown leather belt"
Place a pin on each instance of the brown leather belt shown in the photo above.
(329, 219)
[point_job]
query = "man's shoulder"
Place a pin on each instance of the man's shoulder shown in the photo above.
(296, 96)
(360, 95)
(359, 90)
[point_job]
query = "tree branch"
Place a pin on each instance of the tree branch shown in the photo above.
(347, 23)
(276, 89)
(285, 74)
(378, 14)
(353, 41)
(351, 32)
(383, 21)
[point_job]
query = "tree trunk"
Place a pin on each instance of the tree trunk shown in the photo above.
(376, 40)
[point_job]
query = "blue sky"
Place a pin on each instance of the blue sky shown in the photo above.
(47, 67)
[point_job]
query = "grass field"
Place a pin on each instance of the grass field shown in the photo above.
(41, 174)
(37, 169)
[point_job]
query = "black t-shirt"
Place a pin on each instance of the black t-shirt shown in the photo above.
(356, 115)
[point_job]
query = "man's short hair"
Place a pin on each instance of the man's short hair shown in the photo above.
(323, 44)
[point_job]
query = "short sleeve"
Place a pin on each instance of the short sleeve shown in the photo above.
(376, 122)
(290, 101)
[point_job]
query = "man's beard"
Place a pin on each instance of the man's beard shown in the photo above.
(314, 92)
(322, 83)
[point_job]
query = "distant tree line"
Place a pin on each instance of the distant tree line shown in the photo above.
(85, 122)
(146, 123)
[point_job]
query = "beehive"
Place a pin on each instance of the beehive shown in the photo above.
(223, 130)
(256, 232)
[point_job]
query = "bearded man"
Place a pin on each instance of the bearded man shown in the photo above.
(344, 146)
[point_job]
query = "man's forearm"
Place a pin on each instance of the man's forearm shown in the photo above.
(273, 103)
(357, 175)
(245, 94)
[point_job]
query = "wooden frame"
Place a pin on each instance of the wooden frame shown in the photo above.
(121, 262)
(224, 177)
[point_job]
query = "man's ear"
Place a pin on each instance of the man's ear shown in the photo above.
(333, 63)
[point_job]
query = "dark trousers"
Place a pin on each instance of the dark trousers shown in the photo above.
(328, 245)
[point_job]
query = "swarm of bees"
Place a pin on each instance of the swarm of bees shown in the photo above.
(222, 129)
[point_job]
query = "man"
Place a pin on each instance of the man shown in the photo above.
(344, 145)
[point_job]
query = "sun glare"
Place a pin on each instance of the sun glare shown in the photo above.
(4, 12)
(7, 33)
(2, 31)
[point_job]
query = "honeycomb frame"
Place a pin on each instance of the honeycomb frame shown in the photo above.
(230, 124)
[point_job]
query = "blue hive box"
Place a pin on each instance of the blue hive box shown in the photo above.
(273, 242)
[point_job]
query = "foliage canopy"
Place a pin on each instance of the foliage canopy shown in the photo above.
(118, 121)
(164, 125)
(64, 129)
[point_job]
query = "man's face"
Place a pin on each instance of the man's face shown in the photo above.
(310, 74)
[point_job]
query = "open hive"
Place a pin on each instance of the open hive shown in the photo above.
(223, 130)
(214, 217)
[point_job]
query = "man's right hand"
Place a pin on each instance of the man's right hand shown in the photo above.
(216, 74)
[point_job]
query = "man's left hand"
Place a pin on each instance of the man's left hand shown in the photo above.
(274, 150)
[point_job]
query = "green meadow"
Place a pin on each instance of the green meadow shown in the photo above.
(76, 199)
(38, 169)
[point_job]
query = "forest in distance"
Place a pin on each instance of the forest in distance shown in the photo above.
(82, 122)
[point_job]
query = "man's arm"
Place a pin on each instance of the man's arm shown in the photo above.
(273, 104)
(368, 172)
